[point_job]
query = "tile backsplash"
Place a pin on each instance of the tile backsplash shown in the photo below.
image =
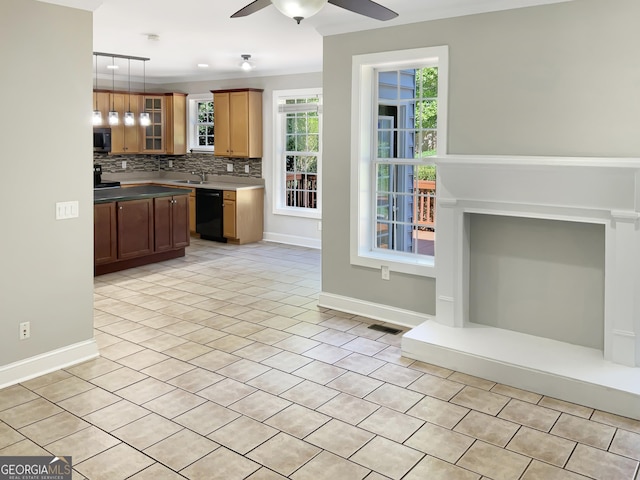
(196, 161)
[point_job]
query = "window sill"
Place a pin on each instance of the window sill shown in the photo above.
(423, 267)
(298, 212)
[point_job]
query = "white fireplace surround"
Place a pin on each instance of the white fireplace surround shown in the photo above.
(604, 191)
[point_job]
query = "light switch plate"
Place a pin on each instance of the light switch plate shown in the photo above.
(124, 164)
(65, 210)
(229, 167)
(246, 169)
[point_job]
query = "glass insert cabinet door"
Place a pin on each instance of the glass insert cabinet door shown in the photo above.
(153, 133)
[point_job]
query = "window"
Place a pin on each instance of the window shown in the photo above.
(398, 129)
(298, 146)
(201, 127)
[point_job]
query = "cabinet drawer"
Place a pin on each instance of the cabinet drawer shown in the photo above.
(227, 195)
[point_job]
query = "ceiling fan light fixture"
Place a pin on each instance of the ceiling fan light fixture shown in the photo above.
(299, 9)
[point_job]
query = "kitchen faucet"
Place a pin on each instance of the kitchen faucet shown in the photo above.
(202, 175)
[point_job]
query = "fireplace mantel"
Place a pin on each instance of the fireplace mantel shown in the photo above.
(604, 191)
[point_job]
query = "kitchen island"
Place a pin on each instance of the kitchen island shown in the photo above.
(139, 225)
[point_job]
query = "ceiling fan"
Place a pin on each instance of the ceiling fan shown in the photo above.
(301, 9)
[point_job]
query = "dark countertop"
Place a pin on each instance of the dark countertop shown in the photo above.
(106, 195)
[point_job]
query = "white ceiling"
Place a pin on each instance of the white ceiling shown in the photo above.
(200, 31)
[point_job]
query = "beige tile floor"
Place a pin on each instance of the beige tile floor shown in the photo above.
(220, 365)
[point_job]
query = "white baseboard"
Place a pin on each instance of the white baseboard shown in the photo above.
(548, 367)
(292, 240)
(376, 311)
(48, 362)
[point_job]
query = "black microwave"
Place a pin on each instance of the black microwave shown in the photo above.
(101, 139)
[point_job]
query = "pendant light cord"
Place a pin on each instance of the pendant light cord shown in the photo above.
(113, 84)
(129, 75)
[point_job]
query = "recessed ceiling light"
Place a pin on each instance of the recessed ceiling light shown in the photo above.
(203, 65)
(112, 67)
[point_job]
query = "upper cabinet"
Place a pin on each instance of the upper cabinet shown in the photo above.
(167, 133)
(238, 123)
(168, 130)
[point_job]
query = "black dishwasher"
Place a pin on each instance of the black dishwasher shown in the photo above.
(209, 214)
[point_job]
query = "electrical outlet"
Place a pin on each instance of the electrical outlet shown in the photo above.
(124, 164)
(25, 330)
(385, 272)
(246, 169)
(229, 167)
(170, 163)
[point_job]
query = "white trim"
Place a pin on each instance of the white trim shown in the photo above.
(292, 240)
(192, 100)
(362, 122)
(376, 311)
(32, 367)
(279, 207)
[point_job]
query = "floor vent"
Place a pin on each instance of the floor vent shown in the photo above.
(382, 328)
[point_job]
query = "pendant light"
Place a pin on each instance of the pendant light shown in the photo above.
(145, 120)
(299, 9)
(97, 114)
(129, 119)
(113, 115)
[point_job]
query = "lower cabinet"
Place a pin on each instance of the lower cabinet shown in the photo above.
(171, 222)
(242, 215)
(141, 231)
(229, 214)
(104, 233)
(135, 228)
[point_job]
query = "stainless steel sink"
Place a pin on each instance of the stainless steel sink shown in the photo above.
(192, 182)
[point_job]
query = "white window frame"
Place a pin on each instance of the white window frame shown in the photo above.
(363, 140)
(192, 115)
(279, 162)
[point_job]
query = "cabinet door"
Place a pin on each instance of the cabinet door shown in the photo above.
(229, 218)
(135, 228)
(221, 121)
(192, 212)
(162, 207)
(239, 124)
(180, 221)
(176, 124)
(153, 135)
(124, 139)
(104, 233)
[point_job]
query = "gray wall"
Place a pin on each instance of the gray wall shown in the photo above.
(45, 132)
(558, 79)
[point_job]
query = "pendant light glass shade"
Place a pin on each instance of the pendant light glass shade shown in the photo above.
(145, 119)
(97, 117)
(113, 118)
(299, 9)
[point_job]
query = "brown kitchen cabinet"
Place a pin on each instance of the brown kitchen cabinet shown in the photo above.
(167, 132)
(124, 138)
(104, 233)
(171, 222)
(135, 228)
(242, 215)
(238, 121)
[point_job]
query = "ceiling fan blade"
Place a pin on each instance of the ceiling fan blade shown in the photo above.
(367, 8)
(253, 7)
